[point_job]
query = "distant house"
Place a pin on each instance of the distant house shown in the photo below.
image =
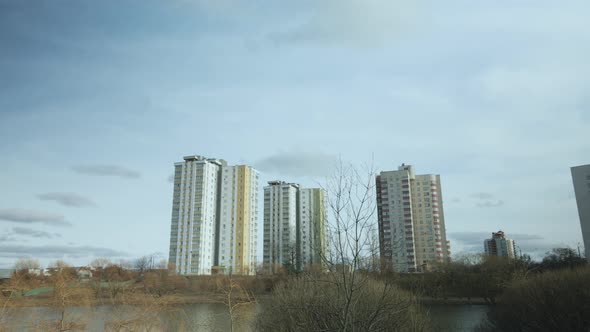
(84, 273)
(35, 272)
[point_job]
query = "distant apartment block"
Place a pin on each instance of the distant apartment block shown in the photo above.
(581, 179)
(412, 235)
(280, 225)
(213, 222)
(500, 246)
(294, 226)
(312, 234)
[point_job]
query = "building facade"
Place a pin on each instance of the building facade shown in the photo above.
(500, 245)
(312, 232)
(581, 179)
(213, 223)
(195, 211)
(412, 234)
(280, 225)
(238, 227)
(294, 227)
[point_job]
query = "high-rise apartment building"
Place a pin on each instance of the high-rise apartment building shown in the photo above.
(294, 226)
(195, 211)
(238, 227)
(312, 236)
(280, 225)
(581, 179)
(499, 245)
(410, 214)
(213, 224)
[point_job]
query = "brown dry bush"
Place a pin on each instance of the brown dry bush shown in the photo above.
(551, 301)
(210, 284)
(160, 283)
(319, 304)
(204, 284)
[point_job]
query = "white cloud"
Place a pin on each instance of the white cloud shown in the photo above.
(34, 233)
(300, 163)
(106, 170)
(67, 199)
(57, 251)
(33, 216)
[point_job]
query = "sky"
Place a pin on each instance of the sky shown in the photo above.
(98, 99)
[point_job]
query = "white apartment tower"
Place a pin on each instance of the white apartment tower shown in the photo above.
(312, 236)
(294, 226)
(280, 225)
(213, 225)
(194, 214)
(499, 245)
(581, 179)
(412, 235)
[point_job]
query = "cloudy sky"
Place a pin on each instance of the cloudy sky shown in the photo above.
(98, 99)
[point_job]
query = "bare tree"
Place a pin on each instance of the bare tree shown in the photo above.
(142, 264)
(235, 296)
(162, 264)
(26, 264)
(351, 203)
(348, 298)
(67, 292)
(125, 264)
(148, 262)
(100, 263)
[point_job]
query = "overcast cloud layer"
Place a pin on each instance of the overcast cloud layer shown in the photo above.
(96, 107)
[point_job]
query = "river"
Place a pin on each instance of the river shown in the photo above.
(198, 317)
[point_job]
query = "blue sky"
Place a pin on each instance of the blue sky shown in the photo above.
(98, 99)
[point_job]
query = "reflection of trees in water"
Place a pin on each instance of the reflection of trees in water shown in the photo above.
(186, 317)
(214, 317)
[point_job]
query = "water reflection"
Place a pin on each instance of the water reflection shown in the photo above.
(212, 317)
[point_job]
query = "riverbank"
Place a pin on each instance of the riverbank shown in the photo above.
(126, 299)
(453, 301)
(182, 299)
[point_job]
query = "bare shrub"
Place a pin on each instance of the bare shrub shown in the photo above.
(317, 304)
